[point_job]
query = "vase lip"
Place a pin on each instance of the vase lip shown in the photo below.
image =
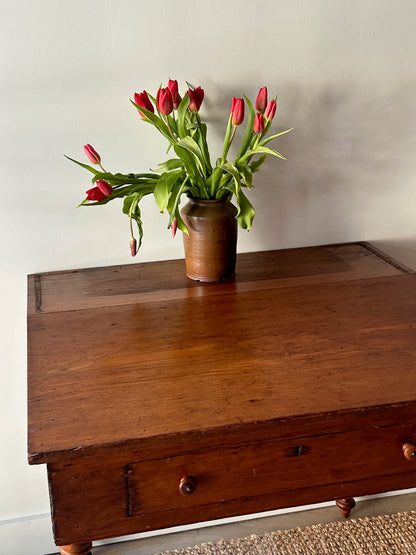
(209, 201)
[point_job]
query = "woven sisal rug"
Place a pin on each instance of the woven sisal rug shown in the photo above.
(380, 535)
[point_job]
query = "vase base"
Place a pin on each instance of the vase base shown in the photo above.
(208, 279)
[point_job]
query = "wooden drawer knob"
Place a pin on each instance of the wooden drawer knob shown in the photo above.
(409, 451)
(187, 485)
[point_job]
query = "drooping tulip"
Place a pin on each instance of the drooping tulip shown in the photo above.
(92, 154)
(174, 226)
(142, 99)
(95, 194)
(237, 111)
(270, 110)
(258, 125)
(104, 187)
(133, 246)
(261, 100)
(164, 101)
(173, 87)
(196, 96)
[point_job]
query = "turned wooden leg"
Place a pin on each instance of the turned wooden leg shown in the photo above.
(345, 505)
(75, 548)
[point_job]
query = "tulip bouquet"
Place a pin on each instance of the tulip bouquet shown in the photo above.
(191, 171)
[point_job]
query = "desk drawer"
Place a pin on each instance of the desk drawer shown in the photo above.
(248, 471)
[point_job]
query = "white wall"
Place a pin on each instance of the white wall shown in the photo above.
(345, 74)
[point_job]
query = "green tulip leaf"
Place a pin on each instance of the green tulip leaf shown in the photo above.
(164, 187)
(189, 162)
(174, 197)
(171, 164)
(214, 180)
(86, 166)
(246, 174)
(192, 146)
(135, 214)
(264, 150)
(127, 203)
(202, 142)
(233, 171)
(246, 212)
(181, 223)
(156, 121)
(182, 113)
(265, 141)
(255, 166)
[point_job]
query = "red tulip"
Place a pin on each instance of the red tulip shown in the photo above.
(142, 99)
(174, 226)
(104, 187)
(92, 154)
(133, 246)
(258, 124)
(173, 87)
(270, 110)
(164, 101)
(237, 111)
(95, 194)
(261, 101)
(196, 97)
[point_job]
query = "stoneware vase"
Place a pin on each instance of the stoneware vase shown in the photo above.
(210, 247)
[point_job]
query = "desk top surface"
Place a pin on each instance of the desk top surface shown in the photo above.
(126, 353)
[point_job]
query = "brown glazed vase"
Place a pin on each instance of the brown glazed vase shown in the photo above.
(210, 247)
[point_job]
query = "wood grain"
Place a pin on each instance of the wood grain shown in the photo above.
(116, 374)
(164, 280)
(90, 499)
(293, 383)
(263, 468)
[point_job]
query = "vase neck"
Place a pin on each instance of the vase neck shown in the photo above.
(209, 201)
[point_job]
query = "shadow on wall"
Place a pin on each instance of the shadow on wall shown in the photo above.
(350, 166)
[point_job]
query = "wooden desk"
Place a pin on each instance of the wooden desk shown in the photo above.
(157, 401)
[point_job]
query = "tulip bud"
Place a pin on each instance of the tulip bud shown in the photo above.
(92, 154)
(142, 99)
(270, 110)
(196, 96)
(174, 226)
(95, 194)
(133, 246)
(104, 187)
(173, 87)
(237, 111)
(261, 101)
(258, 125)
(164, 101)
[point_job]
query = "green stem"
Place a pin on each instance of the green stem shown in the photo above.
(204, 144)
(232, 136)
(227, 143)
(170, 129)
(256, 142)
(227, 147)
(132, 208)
